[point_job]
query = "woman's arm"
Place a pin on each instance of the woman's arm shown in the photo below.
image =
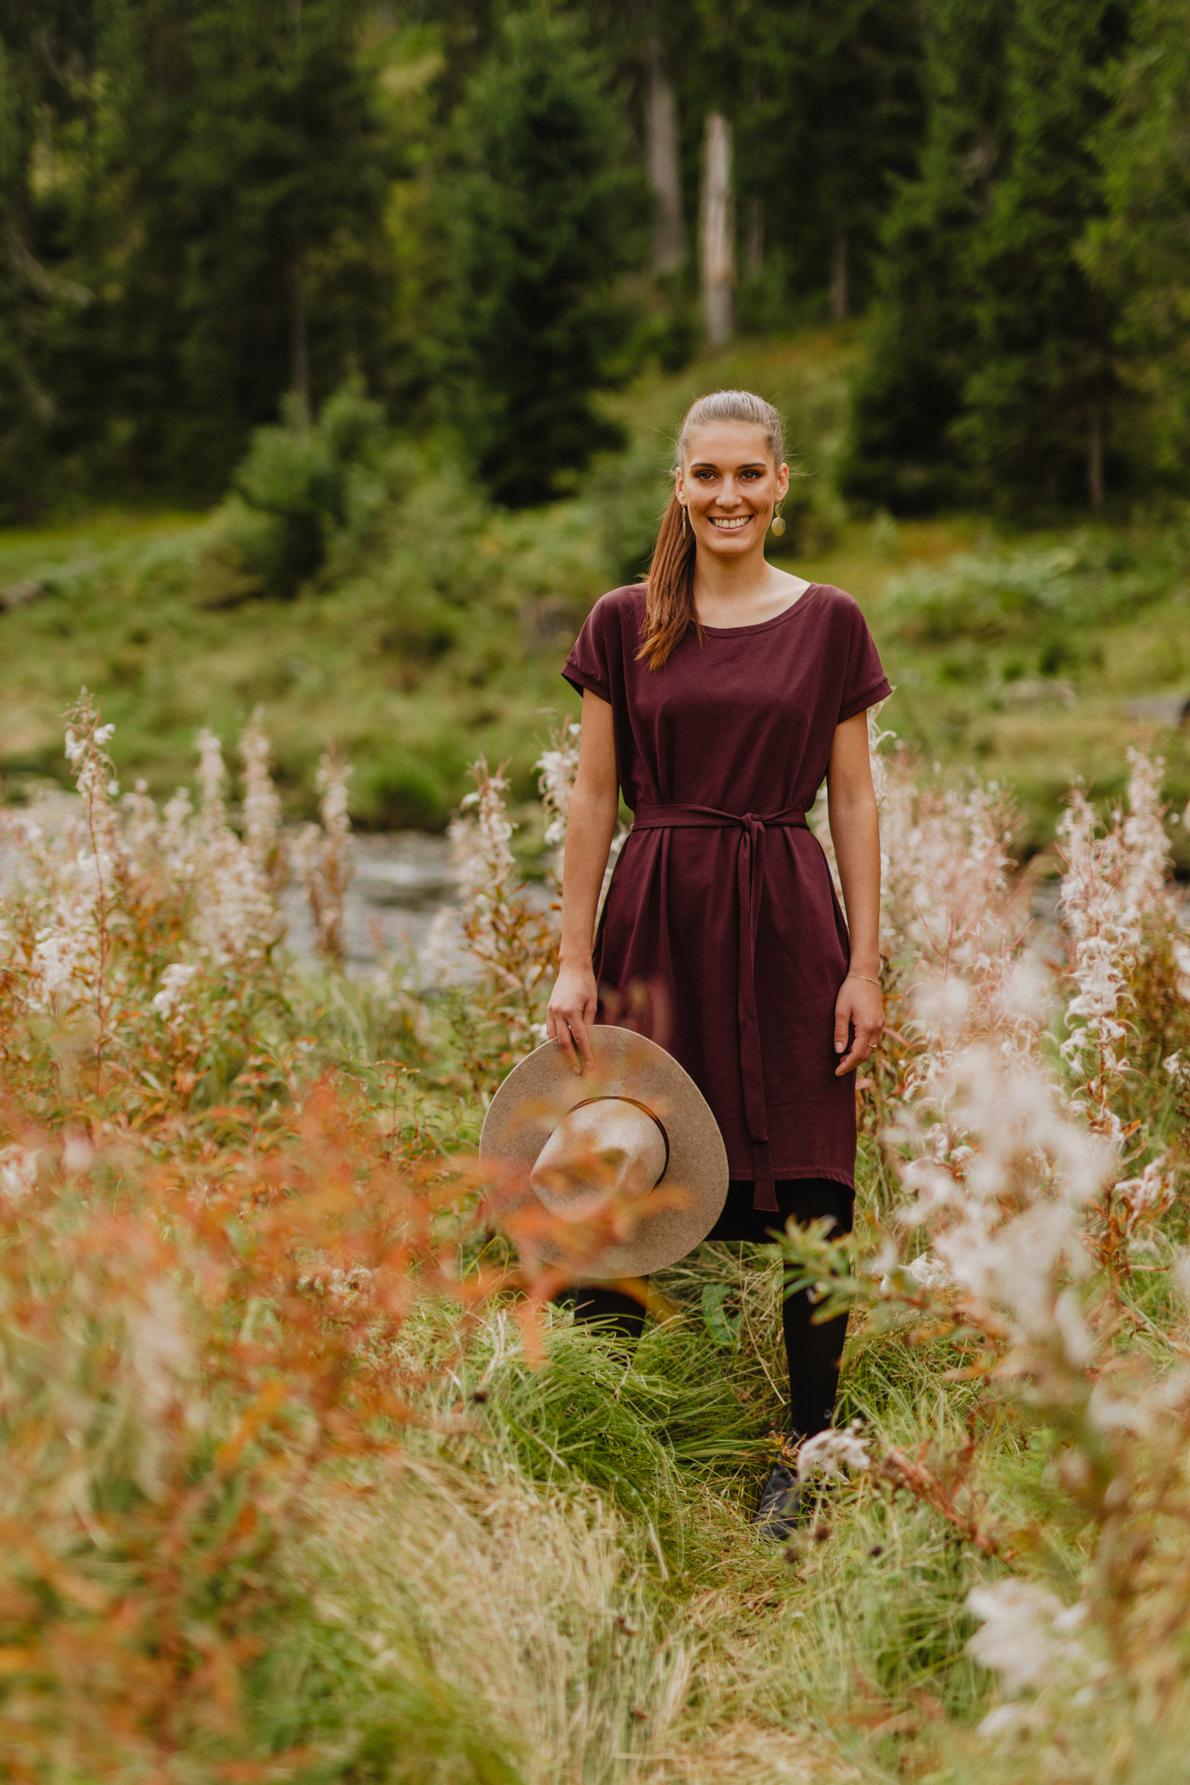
(855, 834)
(590, 826)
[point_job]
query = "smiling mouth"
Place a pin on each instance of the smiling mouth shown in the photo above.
(729, 523)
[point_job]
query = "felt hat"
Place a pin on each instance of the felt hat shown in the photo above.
(627, 1152)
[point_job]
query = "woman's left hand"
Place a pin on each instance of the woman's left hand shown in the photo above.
(859, 1005)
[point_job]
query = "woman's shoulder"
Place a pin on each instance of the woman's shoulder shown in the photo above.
(840, 608)
(627, 598)
(837, 598)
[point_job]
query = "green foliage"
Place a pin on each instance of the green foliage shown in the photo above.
(1016, 595)
(907, 393)
(834, 115)
(544, 210)
(1041, 394)
(297, 488)
(1139, 251)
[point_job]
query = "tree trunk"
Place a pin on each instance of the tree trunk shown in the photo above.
(754, 241)
(661, 145)
(299, 348)
(1095, 457)
(839, 276)
(716, 245)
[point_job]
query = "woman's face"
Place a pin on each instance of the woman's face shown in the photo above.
(730, 485)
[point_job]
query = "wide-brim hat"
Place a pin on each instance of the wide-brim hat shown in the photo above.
(646, 1095)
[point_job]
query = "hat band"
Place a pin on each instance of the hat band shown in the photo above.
(614, 1097)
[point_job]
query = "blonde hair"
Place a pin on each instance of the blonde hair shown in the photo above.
(669, 580)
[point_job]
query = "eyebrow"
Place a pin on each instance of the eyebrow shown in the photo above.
(710, 465)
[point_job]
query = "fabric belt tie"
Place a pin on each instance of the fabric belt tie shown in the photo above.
(749, 880)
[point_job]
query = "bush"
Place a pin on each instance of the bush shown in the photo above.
(297, 488)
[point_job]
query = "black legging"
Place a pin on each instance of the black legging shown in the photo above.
(813, 1351)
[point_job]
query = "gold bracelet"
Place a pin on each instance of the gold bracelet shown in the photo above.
(867, 976)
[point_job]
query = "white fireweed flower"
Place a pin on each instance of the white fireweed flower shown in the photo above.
(211, 775)
(178, 844)
(1113, 886)
(18, 1171)
(481, 852)
(142, 825)
(261, 805)
(929, 1271)
(160, 1349)
(1110, 1412)
(1026, 1633)
(323, 857)
(833, 1451)
(174, 981)
(556, 769)
(77, 1151)
(1149, 1194)
(1181, 955)
(235, 919)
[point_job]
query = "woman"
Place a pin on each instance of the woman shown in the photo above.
(717, 694)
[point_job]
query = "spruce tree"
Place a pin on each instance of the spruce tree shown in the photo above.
(899, 449)
(1139, 252)
(1041, 396)
(543, 208)
(829, 111)
(246, 178)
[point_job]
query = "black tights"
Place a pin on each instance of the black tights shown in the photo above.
(813, 1352)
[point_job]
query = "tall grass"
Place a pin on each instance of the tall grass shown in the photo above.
(308, 1477)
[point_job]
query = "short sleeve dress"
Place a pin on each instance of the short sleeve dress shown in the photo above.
(721, 935)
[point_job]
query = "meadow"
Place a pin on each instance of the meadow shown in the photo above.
(435, 623)
(308, 1477)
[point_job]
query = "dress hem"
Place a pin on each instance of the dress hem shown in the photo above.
(797, 1171)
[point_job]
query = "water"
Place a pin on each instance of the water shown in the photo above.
(401, 879)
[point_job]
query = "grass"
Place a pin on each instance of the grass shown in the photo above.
(442, 635)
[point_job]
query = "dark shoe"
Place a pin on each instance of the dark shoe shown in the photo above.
(782, 1504)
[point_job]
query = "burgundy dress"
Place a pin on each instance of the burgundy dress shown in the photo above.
(721, 935)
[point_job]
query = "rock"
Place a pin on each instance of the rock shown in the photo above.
(1163, 709)
(1028, 689)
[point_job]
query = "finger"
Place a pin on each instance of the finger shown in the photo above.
(579, 1031)
(842, 1028)
(565, 1040)
(848, 1063)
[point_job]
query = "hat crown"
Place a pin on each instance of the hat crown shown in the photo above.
(671, 1142)
(606, 1148)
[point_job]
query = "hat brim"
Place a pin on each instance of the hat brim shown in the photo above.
(531, 1101)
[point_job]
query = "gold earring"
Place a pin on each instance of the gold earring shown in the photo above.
(685, 531)
(778, 523)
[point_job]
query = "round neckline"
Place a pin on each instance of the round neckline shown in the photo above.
(763, 625)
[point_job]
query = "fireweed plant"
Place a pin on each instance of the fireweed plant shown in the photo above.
(305, 1475)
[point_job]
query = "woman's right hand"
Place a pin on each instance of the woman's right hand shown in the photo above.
(570, 1009)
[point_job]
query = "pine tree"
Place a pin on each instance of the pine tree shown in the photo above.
(829, 109)
(1041, 395)
(1139, 253)
(899, 449)
(543, 210)
(246, 180)
(46, 70)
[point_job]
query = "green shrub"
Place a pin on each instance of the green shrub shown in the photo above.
(298, 487)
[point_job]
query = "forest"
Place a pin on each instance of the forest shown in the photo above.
(488, 213)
